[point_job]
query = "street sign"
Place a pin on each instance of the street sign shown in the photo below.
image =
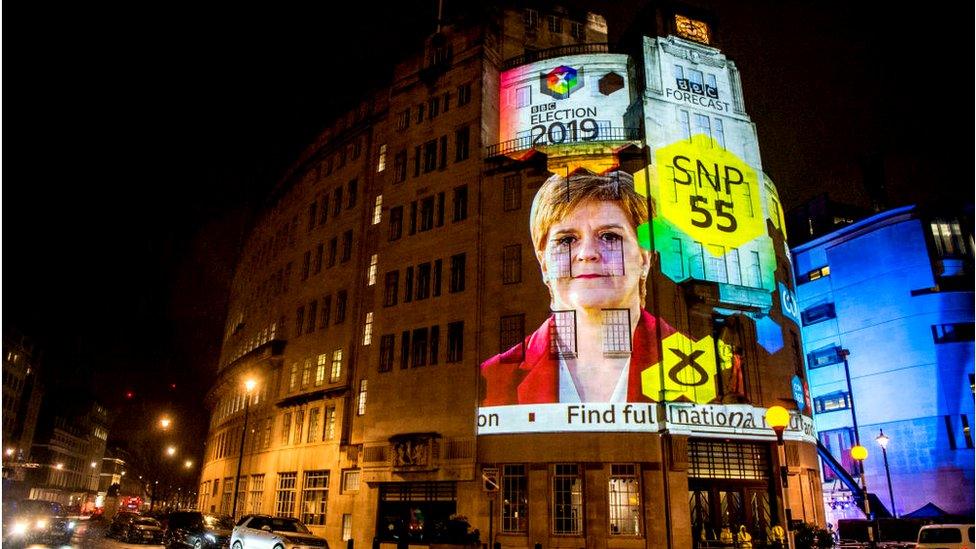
(489, 479)
(797, 384)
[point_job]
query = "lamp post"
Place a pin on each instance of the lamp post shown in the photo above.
(860, 453)
(248, 387)
(883, 440)
(778, 418)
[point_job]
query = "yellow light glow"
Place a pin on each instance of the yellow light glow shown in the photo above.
(249, 385)
(777, 417)
(860, 453)
(171, 450)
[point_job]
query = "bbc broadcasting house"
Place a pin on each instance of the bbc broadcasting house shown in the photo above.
(394, 258)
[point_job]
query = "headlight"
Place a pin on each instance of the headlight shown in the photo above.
(71, 525)
(211, 538)
(20, 528)
(40, 524)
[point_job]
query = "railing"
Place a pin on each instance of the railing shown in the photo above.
(567, 135)
(539, 55)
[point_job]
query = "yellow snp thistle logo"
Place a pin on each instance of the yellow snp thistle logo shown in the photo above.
(688, 370)
(709, 193)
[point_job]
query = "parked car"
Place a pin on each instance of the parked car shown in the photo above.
(946, 536)
(36, 521)
(197, 530)
(142, 530)
(120, 522)
(267, 532)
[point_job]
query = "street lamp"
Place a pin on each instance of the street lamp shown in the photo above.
(249, 385)
(187, 464)
(171, 450)
(165, 422)
(860, 453)
(778, 418)
(883, 440)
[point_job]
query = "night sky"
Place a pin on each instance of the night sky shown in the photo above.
(138, 141)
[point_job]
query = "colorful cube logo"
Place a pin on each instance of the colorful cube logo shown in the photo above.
(561, 81)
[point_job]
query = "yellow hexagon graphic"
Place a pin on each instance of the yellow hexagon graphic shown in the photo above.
(709, 193)
(689, 370)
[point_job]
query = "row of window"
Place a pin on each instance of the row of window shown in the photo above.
(307, 323)
(424, 281)
(567, 499)
(421, 347)
(730, 266)
(318, 210)
(308, 373)
(433, 106)
(427, 213)
(310, 267)
(432, 155)
(562, 334)
(554, 23)
(320, 426)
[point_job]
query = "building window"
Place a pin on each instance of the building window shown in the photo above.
(353, 192)
(324, 209)
(824, 357)
(457, 273)
(312, 211)
(616, 332)
(350, 481)
(257, 493)
(427, 214)
(320, 363)
(430, 156)
(952, 333)
(396, 223)
(371, 274)
(361, 400)
(531, 18)
(346, 246)
(333, 251)
(815, 274)
(515, 498)
(378, 210)
(460, 203)
(443, 153)
(337, 201)
(511, 333)
(840, 400)
(368, 329)
(340, 315)
(299, 320)
(328, 432)
(512, 264)
(423, 281)
(336, 373)
(433, 106)
(391, 288)
(306, 264)
(313, 316)
(562, 334)
(319, 256)
(408, 285)
(727, 460)
(419, 347)
(299, 425)
(439, 221)
(400, 167)
(381, 161)
(818, 313)
(315, 496)
(306, 372)
(403, 120)
(436, 278)
(464, 94)
(435, 335)
(948, 238)
(624, 492)
(420, 113)
(313, 424)
(293, 377)
(404, 349)
(285, 496)
(225, 500)
(576, 30)
(555, 23)
(512, 192)
(413, 218)
(462, 142)
(455, 341)
(567, 499)
(387, 343)
(326, 311)
(346, 527)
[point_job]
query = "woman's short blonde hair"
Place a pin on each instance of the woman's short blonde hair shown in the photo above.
(557, 197)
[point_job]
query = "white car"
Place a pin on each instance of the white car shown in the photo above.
(945, 536)
(267, 532)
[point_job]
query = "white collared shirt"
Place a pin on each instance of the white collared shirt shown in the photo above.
(569, 393)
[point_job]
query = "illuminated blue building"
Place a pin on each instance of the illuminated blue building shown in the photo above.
(890, 299)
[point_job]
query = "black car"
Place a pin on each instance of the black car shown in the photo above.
(142, 530)
(120, 523)
(197, 530)
(36, 521)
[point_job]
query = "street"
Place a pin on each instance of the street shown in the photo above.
(92, 535)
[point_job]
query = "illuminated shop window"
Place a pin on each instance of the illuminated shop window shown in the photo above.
(387, 343)
(562, 334)
(315, 496)
(952, 333)
(511, 334)
(515, 498)
(285, 495)
(361, 400)
(371, 274)
(624, 498)
(616, 332)
(336, 373)
(840, 400)
(328, 431)
(368, 329)
(567, 499)
(381, 161)
(313, 424)
(727, 460)
(818, 313)
(824, 357)
(512, 264)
